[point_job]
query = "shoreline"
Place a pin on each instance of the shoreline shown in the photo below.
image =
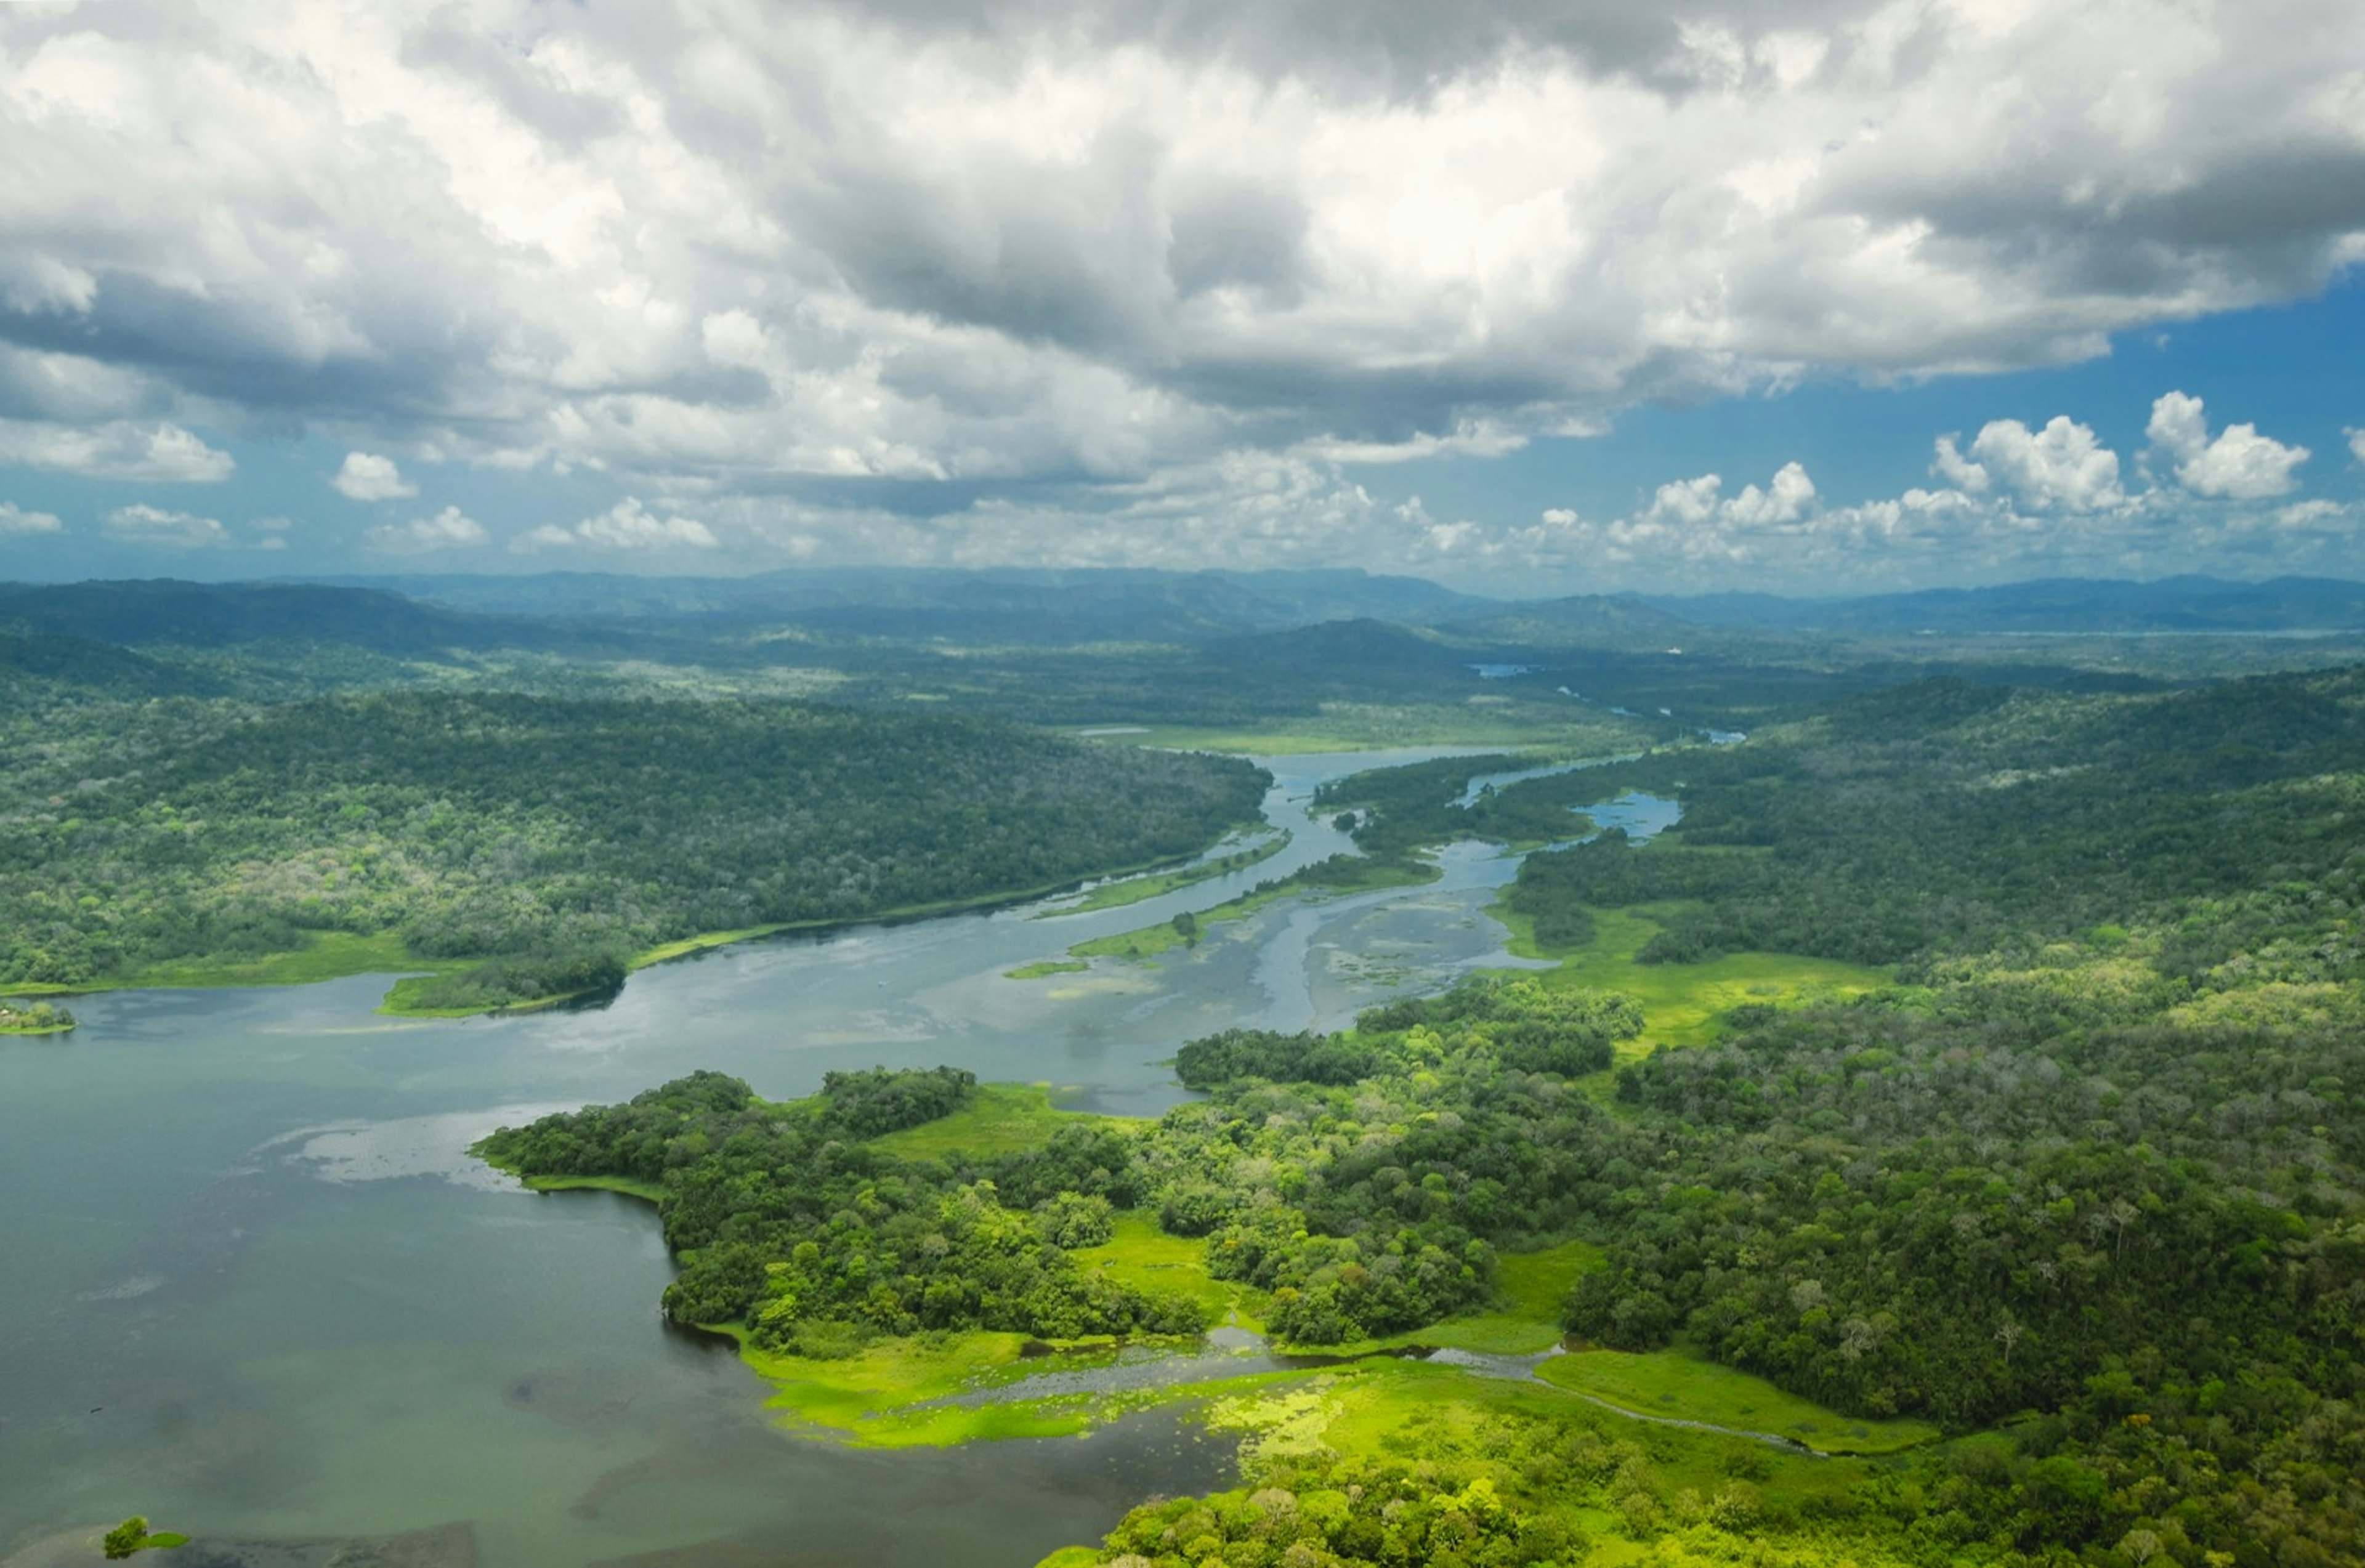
(380, 953)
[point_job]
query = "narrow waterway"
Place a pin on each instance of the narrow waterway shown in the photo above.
(254, 1288)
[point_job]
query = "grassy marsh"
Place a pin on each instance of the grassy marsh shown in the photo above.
(1672, 1385)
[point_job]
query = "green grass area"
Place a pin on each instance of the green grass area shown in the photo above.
(1675, 1387)
(1148, 942)
(1684, 1002)
(866, 1399)
(1044, 969)
(1135, 889)
(1400, 1409)
(1145, 1257)
(325, 955)
(1000, 1118)
(650, 1191)
(1360, 875)
(893, 1394)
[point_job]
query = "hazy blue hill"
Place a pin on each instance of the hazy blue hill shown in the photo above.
(2050, 605)
(1005, 604)
(213, 615)
(1583, 621)
(1359, 646)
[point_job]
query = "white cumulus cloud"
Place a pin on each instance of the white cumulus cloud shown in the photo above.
(114, 449)
(144, 525)
(2062, 465)
(450, 529)
(2238, 464)
(15, 518)
(365, 476)
(627, 525)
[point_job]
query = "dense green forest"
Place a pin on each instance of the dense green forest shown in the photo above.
(2085, 1188)
(551, 838)
(1944, 818)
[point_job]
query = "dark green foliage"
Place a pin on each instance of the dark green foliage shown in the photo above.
(555, 835)
(523, 977)
(865, 1104)
(125, 1538)
(1259, 1053)
(1087, 1158)
(1366, 1178)
(1325, 1510)
(2105, 1163)
(1528, 1027)
(1073, 1219)
(786, 1219)
(1946, 818)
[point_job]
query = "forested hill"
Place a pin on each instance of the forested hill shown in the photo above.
(1945, 818)
(553, 836)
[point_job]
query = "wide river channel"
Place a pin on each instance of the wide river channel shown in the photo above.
(253, 1287)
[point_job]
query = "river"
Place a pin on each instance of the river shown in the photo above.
(254, 1288)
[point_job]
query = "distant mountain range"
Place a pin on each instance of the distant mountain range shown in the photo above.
(2053, 605)
(616, 615)
(1002, 605)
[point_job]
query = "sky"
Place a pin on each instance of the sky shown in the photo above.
(1804, 296)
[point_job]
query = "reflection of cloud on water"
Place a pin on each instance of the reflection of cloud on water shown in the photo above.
(410, 1146)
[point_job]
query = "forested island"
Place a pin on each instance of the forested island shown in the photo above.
(528, 847)
(2045, 1244)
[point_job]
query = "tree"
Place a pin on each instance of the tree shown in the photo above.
(2008, 1332)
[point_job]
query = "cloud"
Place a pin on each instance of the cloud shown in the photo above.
(627, 525)
(144, 525)
(749, 253)
(366, 476)
(447, 529)
(114, 449)
(1785, 501)
(2062, 465)
(15, 520)
(2238, 464)
(1951, 465)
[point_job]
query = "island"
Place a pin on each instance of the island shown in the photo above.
(34, 1018)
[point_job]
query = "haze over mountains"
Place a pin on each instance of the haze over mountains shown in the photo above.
(413, 613)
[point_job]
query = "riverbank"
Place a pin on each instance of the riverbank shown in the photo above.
(338, 954)
(1117, 892)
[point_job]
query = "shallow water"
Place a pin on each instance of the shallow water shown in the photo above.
(254, 1286)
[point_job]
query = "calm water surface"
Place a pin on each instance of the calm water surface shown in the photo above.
(254, 1287)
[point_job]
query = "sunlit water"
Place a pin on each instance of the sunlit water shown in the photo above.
(251, 1286)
